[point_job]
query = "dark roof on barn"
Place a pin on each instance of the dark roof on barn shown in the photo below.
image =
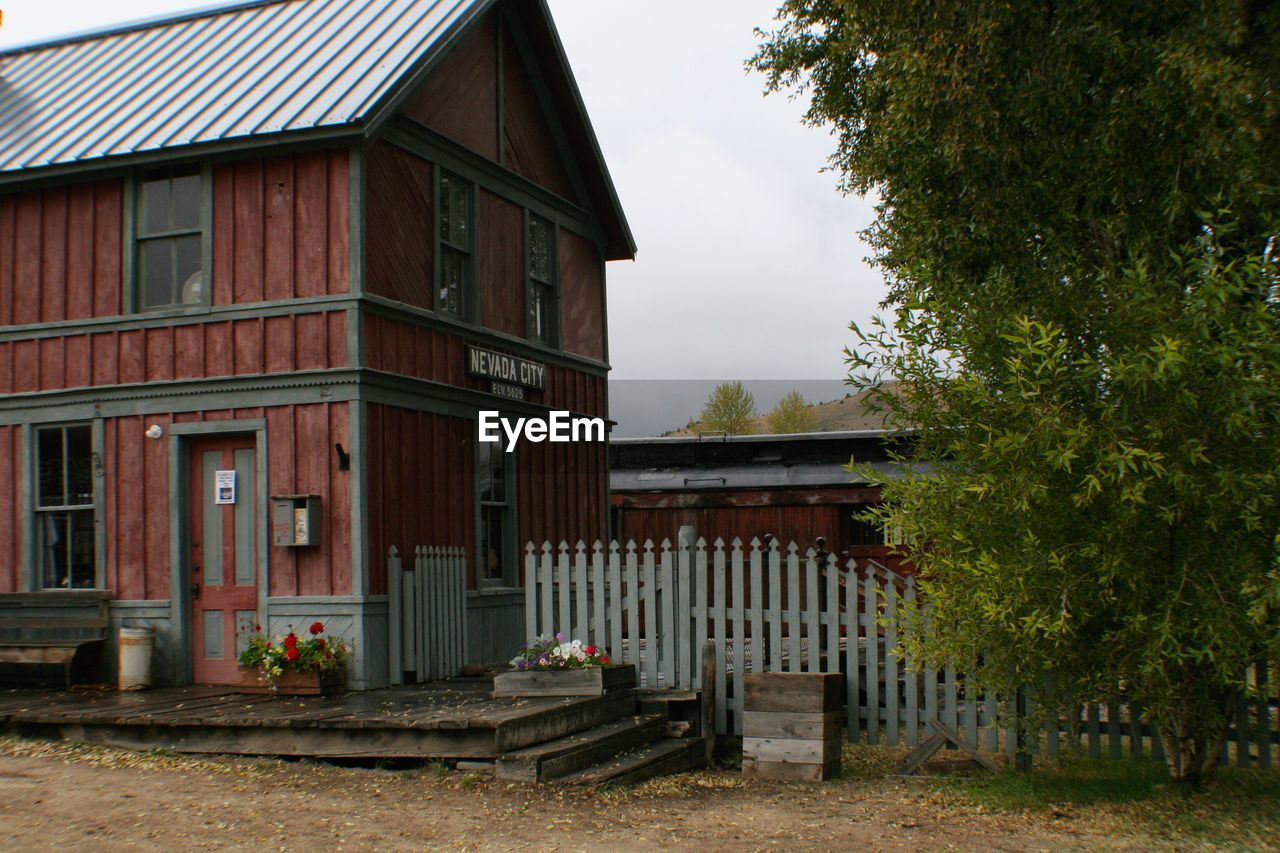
(243, 75)
(807, 460)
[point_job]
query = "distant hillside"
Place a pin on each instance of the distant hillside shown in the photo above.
(845, 414)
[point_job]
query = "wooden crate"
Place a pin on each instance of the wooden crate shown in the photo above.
(792, 725)
(595, 681)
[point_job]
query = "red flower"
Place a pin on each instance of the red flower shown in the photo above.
(591, 650)
(604, 659)
(292, 654)
(291, 641)
(257, 627)
(317, 627)
(320, 643)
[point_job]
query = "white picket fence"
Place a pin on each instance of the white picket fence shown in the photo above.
(427, 614)
(772, 609)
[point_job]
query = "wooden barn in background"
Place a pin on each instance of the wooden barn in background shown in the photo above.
(257, 265)
(796, 488)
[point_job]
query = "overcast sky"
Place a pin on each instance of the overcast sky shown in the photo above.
(750, 266)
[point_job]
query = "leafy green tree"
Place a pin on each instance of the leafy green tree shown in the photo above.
(792, 414)
(730, 409)
(1076, 219)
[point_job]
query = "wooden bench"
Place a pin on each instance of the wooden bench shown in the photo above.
(52, 627)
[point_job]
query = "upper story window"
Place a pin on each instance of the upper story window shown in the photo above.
(542, 297)
(65, 508)
(170, 238)
(455, 232)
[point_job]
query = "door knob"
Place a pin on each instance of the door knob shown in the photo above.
(195, 590)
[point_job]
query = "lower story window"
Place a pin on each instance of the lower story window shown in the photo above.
(497, 532)
(65, 508)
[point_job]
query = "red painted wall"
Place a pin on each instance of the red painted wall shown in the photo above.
(562, 492)
(421, 485)
(398, 226)
(531, 149)
(60, 253)
(281, 228)
(581, 296)
(315, 340)
(460, 98)
(501, 264)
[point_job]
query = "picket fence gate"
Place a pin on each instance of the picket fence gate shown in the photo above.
(772, 609)
(427, 614)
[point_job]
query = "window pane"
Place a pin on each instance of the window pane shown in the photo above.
(156, 204)
(156, 273)
(50, 470)
(79, 466)
(485, 454)
(54, 550)
(493, 521)
(454, 213)
(190, 278)
(451, 266)
(82, 571)
(187, 200)
(540, 249)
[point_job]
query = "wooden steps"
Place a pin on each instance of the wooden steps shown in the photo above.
(556, 758)
(661, 758)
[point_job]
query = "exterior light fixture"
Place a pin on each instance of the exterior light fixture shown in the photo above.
(155, 432)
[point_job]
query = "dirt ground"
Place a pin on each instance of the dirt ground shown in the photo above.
(73, 797)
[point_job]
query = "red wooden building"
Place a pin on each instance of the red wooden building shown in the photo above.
(245, 255)
(795, 488)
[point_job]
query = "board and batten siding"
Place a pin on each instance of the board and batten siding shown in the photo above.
(188, 349)
(421, 487)
(281, 228)
(529, 143)
(561, 489)
(60, 253)
(501, 264)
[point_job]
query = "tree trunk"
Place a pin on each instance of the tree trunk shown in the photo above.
(1192, 745)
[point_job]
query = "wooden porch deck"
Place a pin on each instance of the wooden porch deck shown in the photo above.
(449, 720)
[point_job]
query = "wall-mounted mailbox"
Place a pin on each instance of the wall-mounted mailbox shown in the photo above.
(295, 520)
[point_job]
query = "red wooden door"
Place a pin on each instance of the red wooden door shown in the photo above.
(223, 560)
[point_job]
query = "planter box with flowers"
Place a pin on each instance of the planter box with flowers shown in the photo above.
(555, 667)
(293, 666)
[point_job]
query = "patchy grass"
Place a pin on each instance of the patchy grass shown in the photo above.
(1240, 808)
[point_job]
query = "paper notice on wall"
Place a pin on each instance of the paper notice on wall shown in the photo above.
(224, 487)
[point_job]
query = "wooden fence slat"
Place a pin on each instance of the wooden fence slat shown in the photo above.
(1114, 746)
(891, 664)
(970, 718)
(718, 613)
(700, 596)
(600, 629)
(756, 622)
(564, 589)
(950, 712)
(581, 598)
(794, 649)
(546, 578)
(832, 615)
(852, 663)
(633, 605)
(420, 607)
(869, 593)
(530, 593)
(911, 680)
(775, 607)
(739, 633)
(409, 640)
(990, 722)
(685, 661)
(811, 611)
(615, 602)
(667, 636)
(1094, 733)
(650, 622)
(395, 618)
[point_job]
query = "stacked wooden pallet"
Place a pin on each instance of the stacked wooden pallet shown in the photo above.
(791, 725)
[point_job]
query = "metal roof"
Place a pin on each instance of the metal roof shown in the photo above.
(229, 74)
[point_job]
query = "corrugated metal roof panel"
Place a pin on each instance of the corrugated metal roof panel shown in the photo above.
(229, 74)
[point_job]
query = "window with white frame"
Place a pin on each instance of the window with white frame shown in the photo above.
(455, 219)
(64, 508)
(542, 296)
